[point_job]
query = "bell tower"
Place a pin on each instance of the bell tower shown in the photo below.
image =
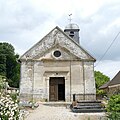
(73, 31)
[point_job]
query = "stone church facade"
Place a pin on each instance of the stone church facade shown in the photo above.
(57, 67)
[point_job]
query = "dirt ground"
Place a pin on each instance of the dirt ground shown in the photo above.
(44, 112)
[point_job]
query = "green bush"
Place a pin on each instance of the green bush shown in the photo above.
(101, 92)
(113, 107)
(14, 96)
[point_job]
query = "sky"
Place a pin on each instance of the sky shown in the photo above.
(24, 22)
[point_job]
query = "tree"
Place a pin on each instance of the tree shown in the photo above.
(100, 79)
(9, 66)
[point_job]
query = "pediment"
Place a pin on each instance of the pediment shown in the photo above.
(56, 53)
(57, 38)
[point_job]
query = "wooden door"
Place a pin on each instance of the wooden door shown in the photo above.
(53, 88)
(53, 92)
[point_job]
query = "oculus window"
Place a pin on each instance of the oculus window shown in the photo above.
(57, 53)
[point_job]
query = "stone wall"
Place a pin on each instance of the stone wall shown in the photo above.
(89, 78)
(79, 78)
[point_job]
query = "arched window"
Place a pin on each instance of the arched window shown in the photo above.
(71, 34)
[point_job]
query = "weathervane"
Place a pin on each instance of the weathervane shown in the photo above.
(70, 19)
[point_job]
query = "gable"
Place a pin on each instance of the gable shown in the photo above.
(50, 54)
(57, 37)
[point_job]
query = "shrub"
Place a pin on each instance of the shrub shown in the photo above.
(9, 109)
(113, 107)
(14, 96)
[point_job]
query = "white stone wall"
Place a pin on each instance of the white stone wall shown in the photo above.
(38, 80)
(79, 78)
(89, 78)
(26, 82)
(57, 69)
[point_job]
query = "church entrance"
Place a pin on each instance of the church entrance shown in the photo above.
(57, 89)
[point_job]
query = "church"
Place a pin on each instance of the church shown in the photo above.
(57, 67)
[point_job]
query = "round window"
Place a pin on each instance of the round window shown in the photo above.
(57, 53)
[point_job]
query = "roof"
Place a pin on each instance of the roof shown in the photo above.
(114, 81)
(72, 26)
(104, 85)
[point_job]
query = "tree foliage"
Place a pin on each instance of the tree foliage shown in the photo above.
(113, 107)
(100, 79)
(9, 66)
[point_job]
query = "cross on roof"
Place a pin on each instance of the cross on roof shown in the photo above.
(70, 19)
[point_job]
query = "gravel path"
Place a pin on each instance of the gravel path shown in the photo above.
(44, 112)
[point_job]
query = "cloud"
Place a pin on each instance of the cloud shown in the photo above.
(25, 22)
(16, 16)
(100, 32)
(108, 67)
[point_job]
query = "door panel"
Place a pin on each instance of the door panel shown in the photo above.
(53, 93)
(61, 92)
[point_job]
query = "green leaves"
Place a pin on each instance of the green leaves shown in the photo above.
(100, 79)
(114, 103)
(8, 64)
(113, 107)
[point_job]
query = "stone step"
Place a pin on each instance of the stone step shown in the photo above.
(87, 110)
(89, 101)
(57, 104)
(88, 104)
(87, 107)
